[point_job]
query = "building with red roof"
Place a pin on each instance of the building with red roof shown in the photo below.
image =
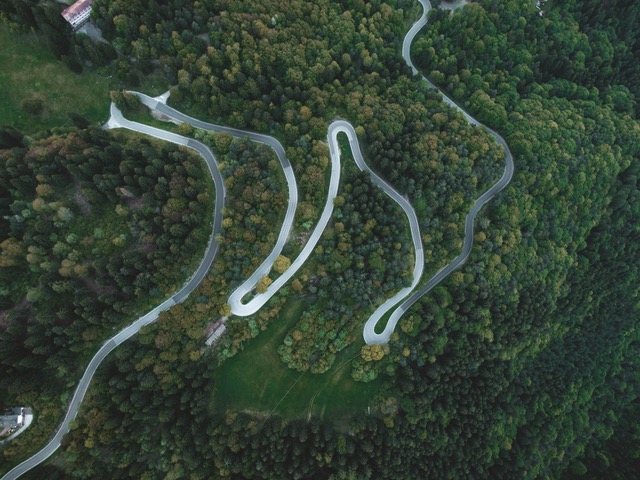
(78, 14)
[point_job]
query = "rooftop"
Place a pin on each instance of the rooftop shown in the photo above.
(11, 418)
(76, 9)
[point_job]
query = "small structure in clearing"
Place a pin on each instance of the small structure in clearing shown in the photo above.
(13, 422)
(215, 331)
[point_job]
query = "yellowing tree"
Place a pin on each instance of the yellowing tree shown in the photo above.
(263, 284)
(225, 310)
(44, 190)
(10, 252)
(281, 264)
(372, 353)
(297, 285)
(185, 129)
(223, 142)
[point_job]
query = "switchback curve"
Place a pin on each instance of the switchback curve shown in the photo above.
(507, 175)
(235, 299)
(369, 331)
(337, 126)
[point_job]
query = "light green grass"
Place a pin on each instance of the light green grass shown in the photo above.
(255, 380)
(28, 68)
(143, 115)
(152, 84)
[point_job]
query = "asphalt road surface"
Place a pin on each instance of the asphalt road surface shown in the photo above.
(259, 300)
(235, 300)
(370, 336)
(118, 121)
(249, 308)
(479, 203)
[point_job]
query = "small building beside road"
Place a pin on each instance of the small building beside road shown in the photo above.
(216, 335)
(13, 422)
(11, 419)
(215, 330)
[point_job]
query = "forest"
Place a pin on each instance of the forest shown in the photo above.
(97, 227)
(523, 364)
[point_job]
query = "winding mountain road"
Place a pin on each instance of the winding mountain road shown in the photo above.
(507, 175)
(370, 336)
(238, 308)
(336, 127)
(235, 300)
(118, 121)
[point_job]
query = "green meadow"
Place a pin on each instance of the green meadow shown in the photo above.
(257, 381)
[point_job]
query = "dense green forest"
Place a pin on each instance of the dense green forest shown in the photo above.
(523, 364)
(97, 228)
(354, 74)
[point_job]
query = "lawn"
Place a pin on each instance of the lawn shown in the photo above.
(256, 380)
(29, 70)
(143, 115)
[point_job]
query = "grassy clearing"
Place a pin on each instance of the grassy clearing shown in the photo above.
(152, 84)
(256, 380)
(143, 115)
(29, 70)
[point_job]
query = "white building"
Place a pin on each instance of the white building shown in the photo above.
(78, 14)
(11, 419)
(216, 335)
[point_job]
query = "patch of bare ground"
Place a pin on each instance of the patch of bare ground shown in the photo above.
(80, 198)
(205, 37)
(25, 306)
(98, 289)
(146, 245)
(164, 118)
(133, 203)
(453, 4)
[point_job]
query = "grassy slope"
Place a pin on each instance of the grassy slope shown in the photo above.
(256, 380)
(28, 68)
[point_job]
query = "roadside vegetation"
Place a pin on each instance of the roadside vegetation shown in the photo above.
(292, 100)
(523, 364)
(97, 228)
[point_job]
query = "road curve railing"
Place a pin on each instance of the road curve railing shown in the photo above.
(118, 121)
